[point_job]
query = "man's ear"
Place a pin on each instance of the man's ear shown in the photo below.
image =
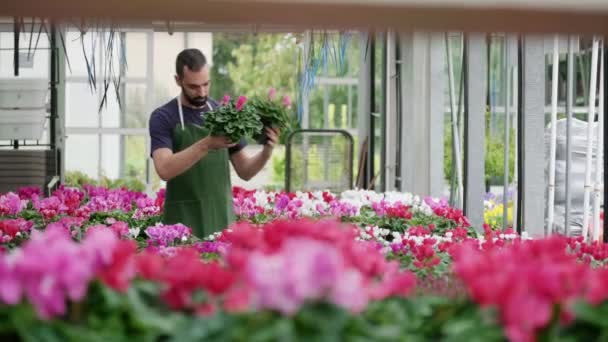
(178, 81)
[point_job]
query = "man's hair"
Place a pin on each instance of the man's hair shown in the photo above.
(192, 58)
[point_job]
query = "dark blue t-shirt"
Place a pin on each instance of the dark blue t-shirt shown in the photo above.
(164, 119)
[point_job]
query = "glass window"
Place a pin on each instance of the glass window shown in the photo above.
(136, 107)
(136, 52)
(110, 155)
(81, 105)
(82, 154)
(135, 157)
(166, 48)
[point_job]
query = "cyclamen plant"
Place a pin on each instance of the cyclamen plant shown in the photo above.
(273, 112)
(233, 119)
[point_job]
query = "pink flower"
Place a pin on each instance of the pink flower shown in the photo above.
(226, 100)
(121, 229)
(50, 207)
(29, 192)
(240, 103)
(287, 101)
(9, 228)
(524, 278)
(52, 267)
(272, 93)
(165, 235)
(10, 286)
(11, 204)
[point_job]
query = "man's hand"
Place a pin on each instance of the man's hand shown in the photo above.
(247, 167)
(217, 142)
(273, 139)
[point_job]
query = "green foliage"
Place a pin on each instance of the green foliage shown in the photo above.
(78, 179)
(264, 62)
(272, 113)
(494, 155)
(233, 123)
(223, 46)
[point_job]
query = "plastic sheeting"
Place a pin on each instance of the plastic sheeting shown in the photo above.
(577, 178)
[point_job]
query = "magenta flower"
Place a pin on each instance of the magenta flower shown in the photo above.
(287, 101)
(226, 100)
(11, 204)
(164, 235)
(10, 287)
(29, 192)
(52, 267)
(50, 207)
(272, 93)
(304, 269)
(240, 103)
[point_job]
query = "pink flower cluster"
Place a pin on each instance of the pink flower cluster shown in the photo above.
(10, 228)
(531, 279)
(51, 268)
(146, 207)
(107, 200)
(29, 192)
(165, 235)
(50, 207)
(290, 262)
(11, 204)
(396, 209)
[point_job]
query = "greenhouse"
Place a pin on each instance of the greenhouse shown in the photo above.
(270, 170)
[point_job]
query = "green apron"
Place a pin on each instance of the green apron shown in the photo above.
(201, 197)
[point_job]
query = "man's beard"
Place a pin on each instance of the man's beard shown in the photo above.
(198, 101)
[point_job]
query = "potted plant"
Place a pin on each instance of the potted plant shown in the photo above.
(273, 112)
(233, 119)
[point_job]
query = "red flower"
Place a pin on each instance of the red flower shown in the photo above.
(240, 103)
(150, 265)
(160, 198)
(216, 279)
(122, 269)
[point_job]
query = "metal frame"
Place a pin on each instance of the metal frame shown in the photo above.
(288, 152)
(605, 162)
(475, 64)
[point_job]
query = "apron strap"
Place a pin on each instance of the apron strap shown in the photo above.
(181, 111)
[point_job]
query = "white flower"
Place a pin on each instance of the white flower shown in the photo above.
(134, 232)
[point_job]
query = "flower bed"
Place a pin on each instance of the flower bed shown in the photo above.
(96, 264)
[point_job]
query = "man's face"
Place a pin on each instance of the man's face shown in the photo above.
(195, 85)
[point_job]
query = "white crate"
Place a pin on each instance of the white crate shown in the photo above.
(16, 124)
(23, 93)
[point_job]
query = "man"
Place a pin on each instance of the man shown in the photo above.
(193, 163)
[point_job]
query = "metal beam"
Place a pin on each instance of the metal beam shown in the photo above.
(436, 114)
(391, 128)
(605, 128)
(533, 155)
(474, 126)
(57, 120)
(543, 16)
(423, 84)
(365, 97)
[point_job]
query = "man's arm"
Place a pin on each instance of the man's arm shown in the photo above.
(246, 167)
(169, 164)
